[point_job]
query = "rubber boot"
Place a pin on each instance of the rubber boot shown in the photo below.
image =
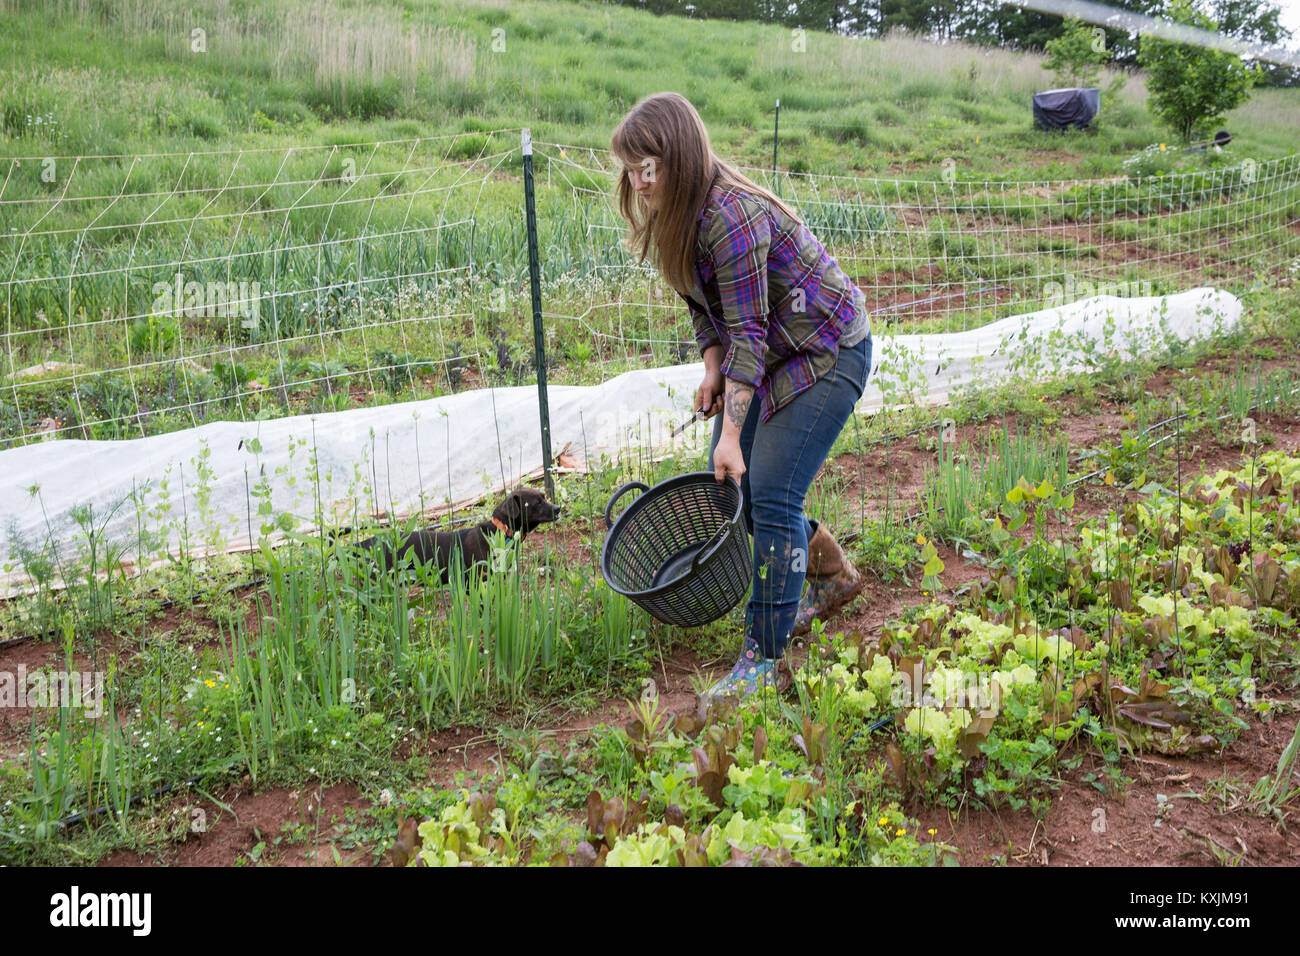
(832, 580)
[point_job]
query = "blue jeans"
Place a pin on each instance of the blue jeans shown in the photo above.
(782, 457)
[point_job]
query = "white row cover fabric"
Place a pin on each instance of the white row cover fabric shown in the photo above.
(201, 489)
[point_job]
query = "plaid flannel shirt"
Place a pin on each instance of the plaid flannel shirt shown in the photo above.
(776, 300)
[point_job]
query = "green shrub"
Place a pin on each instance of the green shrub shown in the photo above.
(887, 115)
(286, 111)
(1074, 56)
(345, 97)
(846, 128)
(458, 99)
(468, 146)
(917, 92)
(1191, 87)
(201, 125)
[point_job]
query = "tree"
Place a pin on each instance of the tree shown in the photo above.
(914, 16)
(1077, 55)
(1192, 87)
(1257, 22)
(1011, 26)
(1122, 44)
(1250, 20)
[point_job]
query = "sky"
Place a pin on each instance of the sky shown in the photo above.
(1291, 20)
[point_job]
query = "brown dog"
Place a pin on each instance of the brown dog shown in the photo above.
(522, 511)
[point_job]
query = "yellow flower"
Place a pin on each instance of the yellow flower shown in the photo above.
(900, 832)
(200, 723)
(884, 821)
(920, 539)
(210, 683)
(932, 831)
(1162, 147)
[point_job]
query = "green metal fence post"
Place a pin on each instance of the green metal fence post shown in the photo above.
(539, 338)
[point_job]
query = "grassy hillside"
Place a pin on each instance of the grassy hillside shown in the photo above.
(104, 78)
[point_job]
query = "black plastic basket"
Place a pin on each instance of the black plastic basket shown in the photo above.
(681, 550)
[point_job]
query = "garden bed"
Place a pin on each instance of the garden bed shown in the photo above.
(566, 743)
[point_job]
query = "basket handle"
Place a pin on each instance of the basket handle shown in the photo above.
(718, 537)
(609, 508)
(710, 546)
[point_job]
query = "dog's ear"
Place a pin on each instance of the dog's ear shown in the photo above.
(514, 509)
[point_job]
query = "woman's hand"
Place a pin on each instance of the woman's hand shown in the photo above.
(727, 458)
(709, 396)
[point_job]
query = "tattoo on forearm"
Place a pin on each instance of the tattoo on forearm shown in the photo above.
(739, 396)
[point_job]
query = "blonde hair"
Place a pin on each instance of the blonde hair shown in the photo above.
(666, 128)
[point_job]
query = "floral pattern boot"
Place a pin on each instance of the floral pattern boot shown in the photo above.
(751, 671)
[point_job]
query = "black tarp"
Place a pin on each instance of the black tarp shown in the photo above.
(1059, 109)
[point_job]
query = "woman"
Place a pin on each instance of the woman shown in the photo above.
(786, 343)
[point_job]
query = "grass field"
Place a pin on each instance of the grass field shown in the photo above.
(1054, 540)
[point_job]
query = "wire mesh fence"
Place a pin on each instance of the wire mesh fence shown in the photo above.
(150, 293)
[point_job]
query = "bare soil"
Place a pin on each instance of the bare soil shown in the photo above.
(1207, 820)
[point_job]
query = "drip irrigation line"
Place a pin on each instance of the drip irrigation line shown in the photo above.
(897, 435)
(929, 426)
(937, 298)
(1164, 438)
(78, 818)
(331, 534)
(870, 728)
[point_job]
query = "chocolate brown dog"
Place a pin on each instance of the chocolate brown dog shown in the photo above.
(522, 511)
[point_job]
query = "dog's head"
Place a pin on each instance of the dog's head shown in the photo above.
(524, 509)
